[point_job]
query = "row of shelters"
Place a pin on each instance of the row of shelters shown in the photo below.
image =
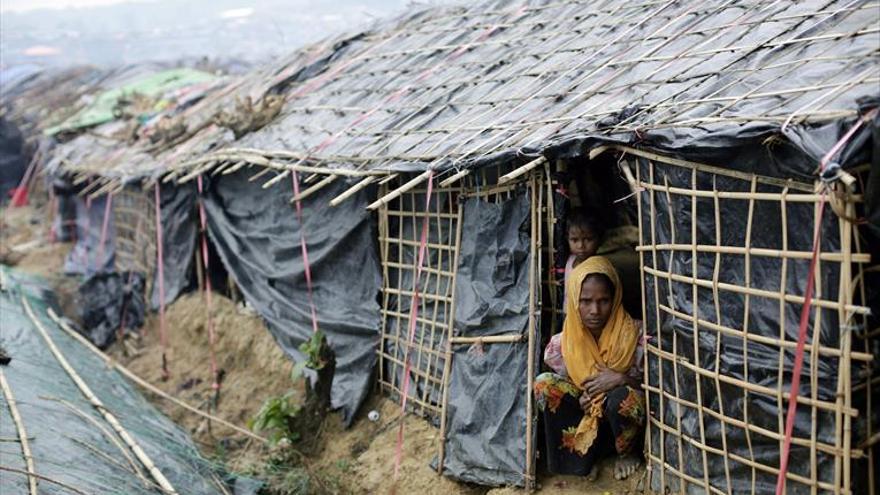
(403, 190)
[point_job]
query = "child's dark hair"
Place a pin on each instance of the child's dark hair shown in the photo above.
(578, 217)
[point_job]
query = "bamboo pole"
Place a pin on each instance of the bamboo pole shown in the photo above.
(235, 168)
(87, 392)
(518, 172)
(145, 384)
(455, 177)
(447, 364)
(107, 434)
(751, 291)
(412, 183)
(352, 190)
(313, 189)
(530, 366)
(695, 307)
(44, 478)
(845, 294)
(777, 342)
(22, 434)
(753, 251)
(746, 196)
(513, 338)
(197, 171)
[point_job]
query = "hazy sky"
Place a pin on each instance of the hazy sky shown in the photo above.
(23, 5)
(114, 32)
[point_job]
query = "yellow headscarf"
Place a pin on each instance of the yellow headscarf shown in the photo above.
(580, 351)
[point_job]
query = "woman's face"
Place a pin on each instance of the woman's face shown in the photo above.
(595, 304)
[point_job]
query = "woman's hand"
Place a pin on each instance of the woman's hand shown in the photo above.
(603, 381)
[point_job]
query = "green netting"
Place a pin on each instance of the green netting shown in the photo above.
(68, 447)
(154, 85)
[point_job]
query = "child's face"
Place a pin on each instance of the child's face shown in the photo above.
(582, 243)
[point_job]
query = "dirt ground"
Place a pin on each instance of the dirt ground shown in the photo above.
(358, 460)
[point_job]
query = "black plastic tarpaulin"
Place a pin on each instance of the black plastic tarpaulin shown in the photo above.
(486, 416)
(257, 235)
(179, 231)
(88, 256)
(13, 161)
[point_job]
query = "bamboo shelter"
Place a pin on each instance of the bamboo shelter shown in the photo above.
(404, 190)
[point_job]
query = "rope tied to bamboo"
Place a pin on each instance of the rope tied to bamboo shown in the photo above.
(808, 298)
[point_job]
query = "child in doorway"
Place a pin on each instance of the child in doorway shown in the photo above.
(584, 233)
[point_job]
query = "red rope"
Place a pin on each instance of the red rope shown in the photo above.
(209, 320)
(160, 270)
(805, 310)
(413, 316)
(108, 207)
(305, 251)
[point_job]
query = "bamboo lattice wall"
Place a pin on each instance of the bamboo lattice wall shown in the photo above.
(135, 232)
(725, 259)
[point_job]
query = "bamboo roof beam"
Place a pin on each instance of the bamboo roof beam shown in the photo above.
(315, 188)
(352, 190)
(519, 172)
(400, 190)
(461, 174)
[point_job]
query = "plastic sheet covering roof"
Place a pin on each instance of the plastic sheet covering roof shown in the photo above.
(446, 87)
(70, 441)
(449, 86)
(101, 110)
(111, 158)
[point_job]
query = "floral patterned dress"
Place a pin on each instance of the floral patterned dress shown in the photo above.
(621, 426)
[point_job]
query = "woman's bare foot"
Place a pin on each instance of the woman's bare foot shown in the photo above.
(625, 466)
(594, 472)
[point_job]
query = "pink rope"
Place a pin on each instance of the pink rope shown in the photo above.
(53, 207)
(413, 316)
(805, 310)
(305, 252)
(160, 270)
(209, 321)
(108, 206)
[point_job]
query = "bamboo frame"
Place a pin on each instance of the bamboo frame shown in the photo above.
(21, 432)
(829, 459)
(436, 291)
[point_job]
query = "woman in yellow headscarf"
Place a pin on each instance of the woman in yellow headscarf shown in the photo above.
(593, 402)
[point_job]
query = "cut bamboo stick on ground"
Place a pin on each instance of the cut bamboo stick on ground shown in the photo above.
(96, 402)
(22, 434)
(146, 385)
